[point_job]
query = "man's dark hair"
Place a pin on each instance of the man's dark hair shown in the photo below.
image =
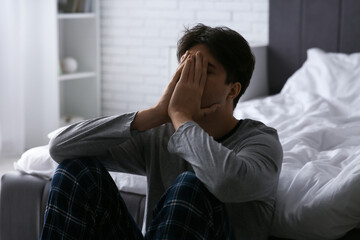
(228, 47)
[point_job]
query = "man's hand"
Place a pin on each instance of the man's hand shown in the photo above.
(158, 114)
(163, 104)
(185, 103)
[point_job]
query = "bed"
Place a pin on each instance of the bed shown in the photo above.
(317, 116)
(315, 106)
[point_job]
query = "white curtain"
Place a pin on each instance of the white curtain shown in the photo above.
(11, 87)
(28, 73)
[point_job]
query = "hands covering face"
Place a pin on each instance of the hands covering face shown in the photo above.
(197, 89)
(185, 91)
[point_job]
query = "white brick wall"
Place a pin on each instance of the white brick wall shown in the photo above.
(137, 36)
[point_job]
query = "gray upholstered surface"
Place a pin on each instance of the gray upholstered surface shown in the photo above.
(297, 25)
(22, 205)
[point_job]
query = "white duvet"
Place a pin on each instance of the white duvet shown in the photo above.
(317, 116)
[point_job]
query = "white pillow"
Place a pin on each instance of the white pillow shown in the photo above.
(334, 76)
(55, 132)
(37, 161)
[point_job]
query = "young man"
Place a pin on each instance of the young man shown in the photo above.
(210, 176)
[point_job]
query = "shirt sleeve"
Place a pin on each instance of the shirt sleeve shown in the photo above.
(251, 173)
(91, 137)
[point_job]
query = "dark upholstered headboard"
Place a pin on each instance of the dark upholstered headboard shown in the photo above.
(297, 25)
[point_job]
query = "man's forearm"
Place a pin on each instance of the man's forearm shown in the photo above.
(148, 119)
(92, 137)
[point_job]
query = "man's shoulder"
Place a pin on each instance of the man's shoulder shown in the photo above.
(263, 137)
(252, 132)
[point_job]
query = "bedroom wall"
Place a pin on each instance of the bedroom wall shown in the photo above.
(139, 39)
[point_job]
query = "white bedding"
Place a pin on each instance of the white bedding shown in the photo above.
(317, 116)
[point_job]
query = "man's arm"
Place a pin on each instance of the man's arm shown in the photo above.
(91, 137)
(249, 174)
(246, 174)
(95, 137)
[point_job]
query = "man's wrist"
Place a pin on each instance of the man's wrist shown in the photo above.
(147, 119)
(179, 119)
(159, 114)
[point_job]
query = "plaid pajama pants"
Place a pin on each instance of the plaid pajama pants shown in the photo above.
(84, 203)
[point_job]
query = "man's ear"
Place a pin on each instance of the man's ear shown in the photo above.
(234, 90)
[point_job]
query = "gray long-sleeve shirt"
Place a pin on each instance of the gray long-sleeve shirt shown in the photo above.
(242, 171)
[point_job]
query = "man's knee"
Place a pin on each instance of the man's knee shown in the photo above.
(67, 164)
(73, 166)
(71, 171)
(188, 178)
(188, 184)
(83, 175)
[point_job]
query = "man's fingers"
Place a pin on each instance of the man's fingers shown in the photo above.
(185, 71)
(192, 69)
(180, 68)
(203, 72)
(198, 67)
(183, 57)
(178, 72)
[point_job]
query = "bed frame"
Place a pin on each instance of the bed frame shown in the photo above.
(297, 25)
